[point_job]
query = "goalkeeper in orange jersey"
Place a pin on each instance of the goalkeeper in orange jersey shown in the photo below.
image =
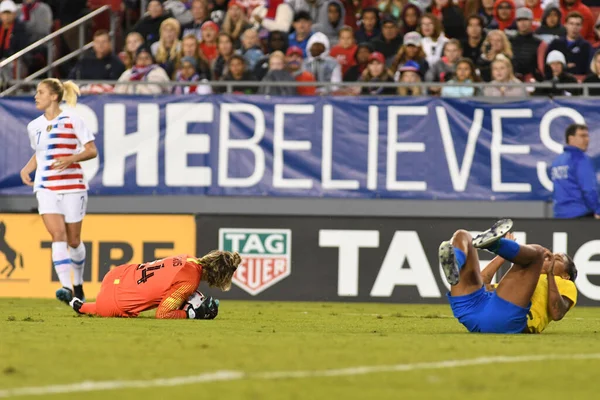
(554, 295)
(168, 284)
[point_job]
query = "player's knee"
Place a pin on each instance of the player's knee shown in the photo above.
(59, 236)
(461, 234)
(540, 252)
(74, 242)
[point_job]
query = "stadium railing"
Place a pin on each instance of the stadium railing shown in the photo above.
(51, 63)
(30, 82)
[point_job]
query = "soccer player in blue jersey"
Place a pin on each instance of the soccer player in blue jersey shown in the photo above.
(505, 309)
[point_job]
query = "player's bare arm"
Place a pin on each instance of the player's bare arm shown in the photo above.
(558, 305)
(89, 151)
(28, 169)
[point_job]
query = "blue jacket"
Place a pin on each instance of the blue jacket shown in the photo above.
(575, 186)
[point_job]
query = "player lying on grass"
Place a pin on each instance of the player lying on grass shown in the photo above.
(169, 284)
(546, 304)
(505, 309)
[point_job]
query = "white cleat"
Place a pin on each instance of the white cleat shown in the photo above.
(496, 232)
(448, 263)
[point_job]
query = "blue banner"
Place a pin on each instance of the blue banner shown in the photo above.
(361, 147)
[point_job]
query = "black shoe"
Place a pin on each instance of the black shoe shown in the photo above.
(65, 295)
(78, 292)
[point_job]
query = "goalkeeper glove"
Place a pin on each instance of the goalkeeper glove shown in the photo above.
(76, 304)
(207, 310)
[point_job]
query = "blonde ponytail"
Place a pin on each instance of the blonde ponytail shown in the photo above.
(70, 93)
(67, 91)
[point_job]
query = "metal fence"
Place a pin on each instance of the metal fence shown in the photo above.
(27, 86)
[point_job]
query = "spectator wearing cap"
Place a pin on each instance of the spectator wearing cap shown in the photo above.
(302, 31)
(502, 73)
(345, 51)
(317, 9)
(556, 62)
(144, 70)
(354, 9)
(411, 50)
(278, 73)
(496, 43)
(376, 73)
(389, 41)
(166, 51)
(525, 44)
(188, 72)
(370, 26)
(37, 17)
(552, 27)
(434, 39)
(324, 67)
(235, 23)
(505, 12)
(13, 35)
(191, 48)
(149, 25)
(275, 41)
(100, 63)
(443, 70)
(465, 73)
(250, 48)
(577, 50)
(594, 75)
(471, 45)
(276, 15)
(409, 18)
(336, 14)
(293, 64)
(451, 17)
(200, 15)
(409, 73)
(238, 74)
(225, 51)
(537, 12)
(587, 18)
(363, 51)
(208, 45)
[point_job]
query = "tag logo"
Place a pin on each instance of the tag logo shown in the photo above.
(266, 256)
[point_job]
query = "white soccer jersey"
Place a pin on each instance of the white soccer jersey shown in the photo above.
(61, 137)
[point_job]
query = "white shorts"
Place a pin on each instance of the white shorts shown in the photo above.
(71, 205)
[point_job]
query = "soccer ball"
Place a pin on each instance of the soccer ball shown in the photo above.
(196, 299)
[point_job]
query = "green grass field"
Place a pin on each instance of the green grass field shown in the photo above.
(43, 343)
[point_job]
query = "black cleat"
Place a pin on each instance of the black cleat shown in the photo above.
(488, 238)
(65, 295)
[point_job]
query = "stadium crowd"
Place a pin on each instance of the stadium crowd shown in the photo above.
(410, 41)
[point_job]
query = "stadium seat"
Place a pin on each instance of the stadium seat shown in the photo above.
(541, 56)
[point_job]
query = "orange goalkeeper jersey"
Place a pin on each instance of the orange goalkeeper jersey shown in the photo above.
(165, 283)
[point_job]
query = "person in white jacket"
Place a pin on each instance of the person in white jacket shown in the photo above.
(146, 70)
(318, 62)
(277, 16)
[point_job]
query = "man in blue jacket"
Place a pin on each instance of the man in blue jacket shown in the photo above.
(574, 177)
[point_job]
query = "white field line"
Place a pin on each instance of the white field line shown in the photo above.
(89, 386)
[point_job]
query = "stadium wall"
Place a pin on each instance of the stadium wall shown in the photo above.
(299, 258)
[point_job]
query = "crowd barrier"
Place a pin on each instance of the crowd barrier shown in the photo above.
(297, 258)
(357, 147)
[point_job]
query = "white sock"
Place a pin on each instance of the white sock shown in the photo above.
(62, 263)
(78, 263)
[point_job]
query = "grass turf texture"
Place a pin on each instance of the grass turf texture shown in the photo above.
(44, 343)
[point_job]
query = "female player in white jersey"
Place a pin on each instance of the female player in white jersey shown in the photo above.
(57, 137)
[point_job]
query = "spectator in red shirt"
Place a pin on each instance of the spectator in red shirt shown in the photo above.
(208, 45)
(363, 51)
(345, 50)
(504, 16)
(538, 12)
(568, 6)
(294, 59)
(13, 35)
